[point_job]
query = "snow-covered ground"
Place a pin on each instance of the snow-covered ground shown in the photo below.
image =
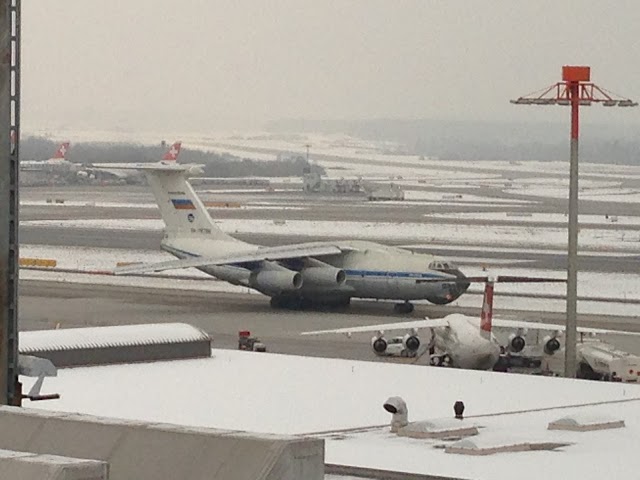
(343, 146)
(452, 234)
(618, 195)
(619, 287)
(537, 217)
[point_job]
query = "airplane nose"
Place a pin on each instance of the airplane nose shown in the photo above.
(460, 287)
(452, 290)
(463, 285)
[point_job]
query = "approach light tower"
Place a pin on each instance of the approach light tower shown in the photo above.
(574, 90)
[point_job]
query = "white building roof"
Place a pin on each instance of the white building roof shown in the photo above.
(301, 395)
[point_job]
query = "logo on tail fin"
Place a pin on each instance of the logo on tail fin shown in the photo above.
(486, 315)
(183, 204)
(61, 152)
(173, 152)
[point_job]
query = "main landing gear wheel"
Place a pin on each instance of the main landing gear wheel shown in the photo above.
(406, 307)
(440, 360)
(290, 303)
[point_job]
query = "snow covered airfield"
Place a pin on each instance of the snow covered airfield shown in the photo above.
(515, 208)
(497, 216)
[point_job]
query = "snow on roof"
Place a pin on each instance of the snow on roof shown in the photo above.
(100, 337)
(586, 455)
(284, 394)
(290, 394)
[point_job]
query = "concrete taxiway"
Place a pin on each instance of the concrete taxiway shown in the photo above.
(46, 305)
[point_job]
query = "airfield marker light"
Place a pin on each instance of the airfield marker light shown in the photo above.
(575, 89)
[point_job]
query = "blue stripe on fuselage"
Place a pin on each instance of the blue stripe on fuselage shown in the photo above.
(385, 273)
(350, 272)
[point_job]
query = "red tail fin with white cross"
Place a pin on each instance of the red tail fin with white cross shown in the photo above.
(172, 153)
(486, 316)
(61, 152)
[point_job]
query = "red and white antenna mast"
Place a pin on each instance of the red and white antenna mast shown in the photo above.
(575, 90)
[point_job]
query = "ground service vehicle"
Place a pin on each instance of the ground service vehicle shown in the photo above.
(598, 360)
(247, 342)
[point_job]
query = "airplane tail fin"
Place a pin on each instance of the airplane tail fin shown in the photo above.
(61, 152)
(172, 153)
(182, 211)
(486, 316)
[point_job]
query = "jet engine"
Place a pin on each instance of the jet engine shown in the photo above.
(516, 343)
(379, 344)
(323, 276)
(551, 345)
(411, 342)
(276, 280)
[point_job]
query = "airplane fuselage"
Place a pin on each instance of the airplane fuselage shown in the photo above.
(372, 271)
(466, 345)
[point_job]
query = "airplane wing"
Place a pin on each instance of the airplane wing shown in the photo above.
(426, 323)
(515, 324)
(286, 252)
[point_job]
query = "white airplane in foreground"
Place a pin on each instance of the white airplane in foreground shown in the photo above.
(461, 341)
(294, 276)
(56, 163)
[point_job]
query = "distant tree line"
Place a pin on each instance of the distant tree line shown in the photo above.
(216, 165)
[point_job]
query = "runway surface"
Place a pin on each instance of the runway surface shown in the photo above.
(45, 305)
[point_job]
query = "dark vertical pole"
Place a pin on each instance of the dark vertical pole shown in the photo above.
(9, 203)
(572, 259)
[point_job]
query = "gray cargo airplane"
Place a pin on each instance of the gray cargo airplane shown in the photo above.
(295, 276)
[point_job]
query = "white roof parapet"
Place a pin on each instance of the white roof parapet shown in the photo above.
(114, 336)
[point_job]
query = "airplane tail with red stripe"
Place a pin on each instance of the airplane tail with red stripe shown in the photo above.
(172, 153)
(486, 316)
(61, 152)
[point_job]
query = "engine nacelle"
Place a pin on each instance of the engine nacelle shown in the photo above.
(516, 343)
(411, 342)
(194, 170)
(323, 276)
(276, 280)
(551, 345)
(379, 345)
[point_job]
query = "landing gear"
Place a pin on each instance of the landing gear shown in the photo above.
(290, 302)
(406, 307)
(440, 360)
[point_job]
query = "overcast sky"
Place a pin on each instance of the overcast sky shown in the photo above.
(205, 64)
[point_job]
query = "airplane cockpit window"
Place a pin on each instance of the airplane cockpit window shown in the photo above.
(441, 266)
